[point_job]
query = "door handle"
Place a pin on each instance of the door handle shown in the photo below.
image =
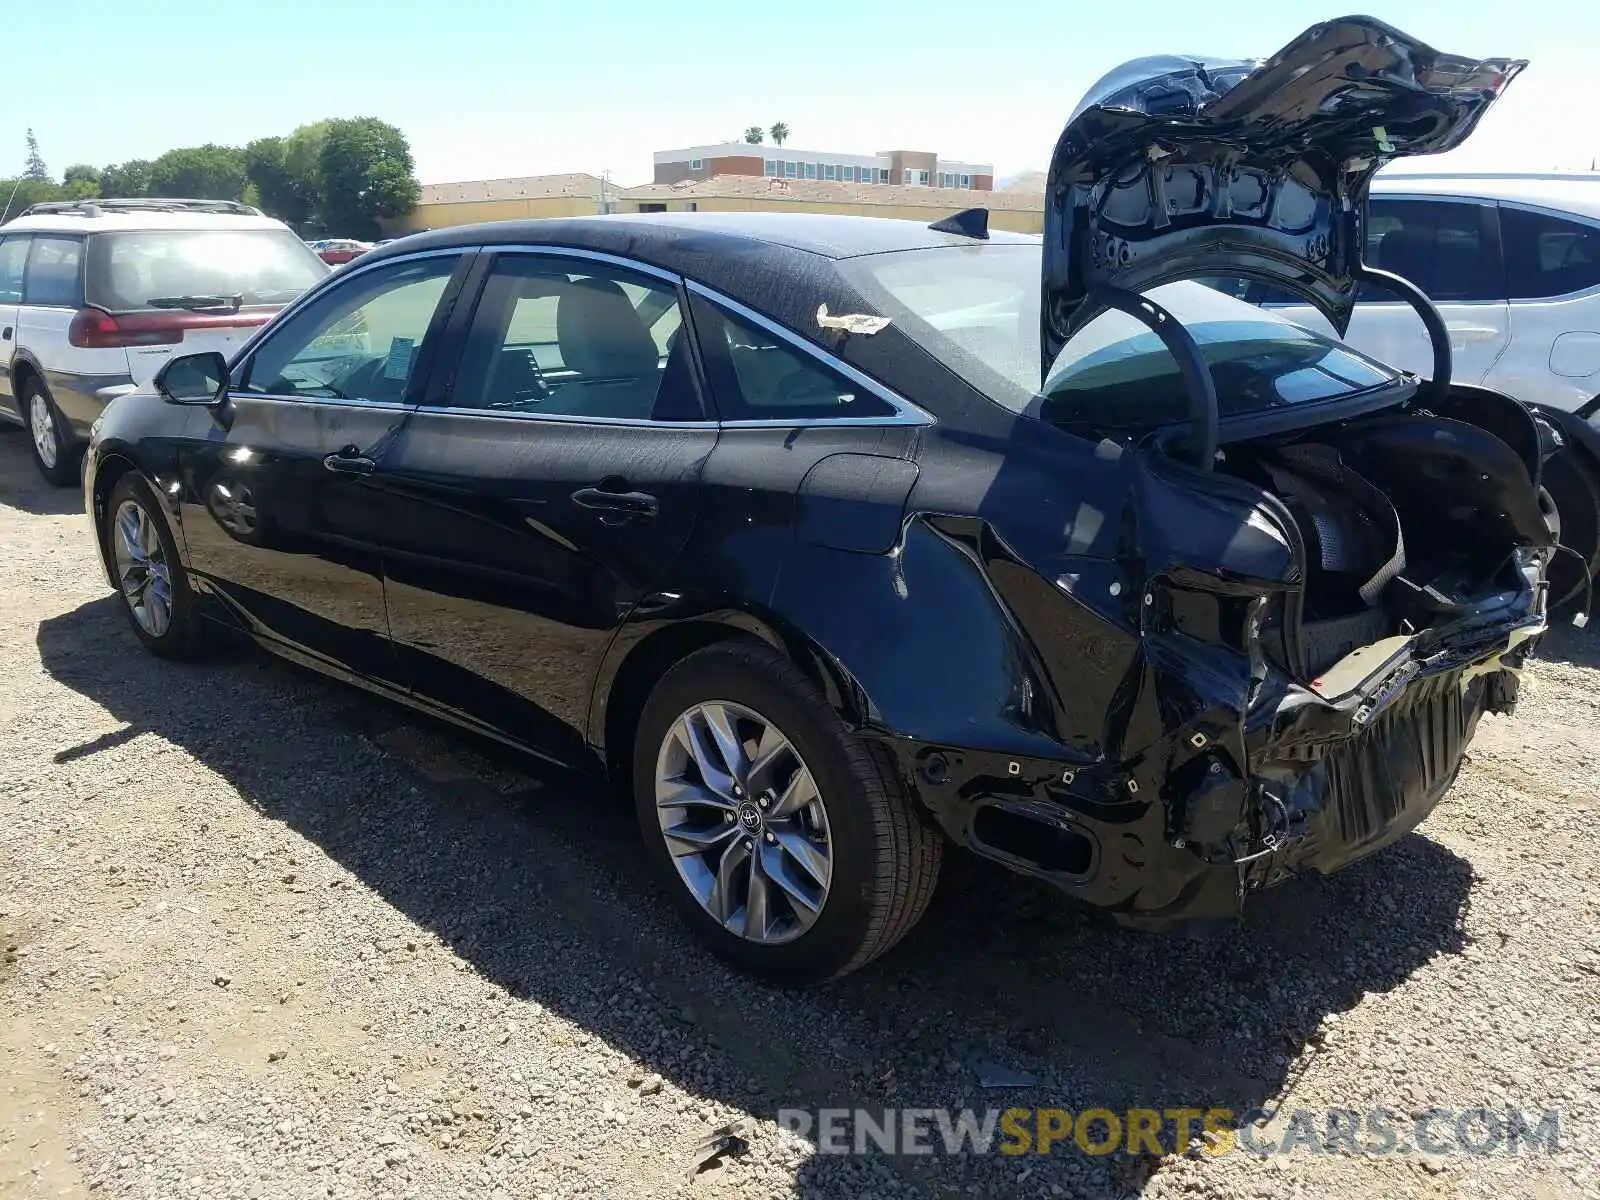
(634, 504)
(1473, 333)
(349, 461)
(7, 334)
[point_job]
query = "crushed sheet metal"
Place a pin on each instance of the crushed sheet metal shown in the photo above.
(863, 323)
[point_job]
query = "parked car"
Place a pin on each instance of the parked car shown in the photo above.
(1512, 263)
(338, 251)
(775, 519)
(96, 295)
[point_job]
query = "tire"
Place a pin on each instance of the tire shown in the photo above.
(50, 442)
(133, 547)
(1574, 493)
(881, 859)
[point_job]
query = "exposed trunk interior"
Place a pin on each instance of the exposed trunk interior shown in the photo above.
(1408, 521)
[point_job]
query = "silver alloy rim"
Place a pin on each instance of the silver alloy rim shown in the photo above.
(744, 822)
(43, 429)
(142, 568)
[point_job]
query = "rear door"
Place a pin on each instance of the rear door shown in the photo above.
(544, 491)
(1553, 277)
(1448, 247)
(13, 256)
(279, 517)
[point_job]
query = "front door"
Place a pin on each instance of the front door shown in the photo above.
(543, 492)
(279, 519)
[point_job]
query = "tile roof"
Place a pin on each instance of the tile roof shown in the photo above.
(753, 187)
(522, 187)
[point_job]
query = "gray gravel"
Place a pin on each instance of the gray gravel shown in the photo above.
(267, 937)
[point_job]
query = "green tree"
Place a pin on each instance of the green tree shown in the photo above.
(35, 170)
(208, 172)
(80, 182)
(779, 133)
(126, 181)
(18, 192)
(367, 173)
(275, 187)
(755, 135)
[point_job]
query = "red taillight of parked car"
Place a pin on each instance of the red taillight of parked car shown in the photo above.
(96, 329)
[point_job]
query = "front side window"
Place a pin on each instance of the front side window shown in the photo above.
(568, 337)
(360, 340)
(13, 257)
(51, 276)
(1441, 246)
(1547, 255)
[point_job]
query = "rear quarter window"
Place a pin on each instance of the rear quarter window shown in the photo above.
(1548, 255)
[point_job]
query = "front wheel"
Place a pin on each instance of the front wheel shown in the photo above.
(156, 597)
(789, 842)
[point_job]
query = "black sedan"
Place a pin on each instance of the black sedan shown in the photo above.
(776, 518)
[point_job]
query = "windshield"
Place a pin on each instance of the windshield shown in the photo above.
(977, 309)
(156, 268)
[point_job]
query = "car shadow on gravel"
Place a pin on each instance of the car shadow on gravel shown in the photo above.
(1566, 643)
(21, 485)
(539, 882)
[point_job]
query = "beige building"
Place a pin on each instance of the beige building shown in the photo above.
(1022, 212)
(445, 204)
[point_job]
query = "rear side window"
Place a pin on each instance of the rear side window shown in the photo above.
(566, 337)
(1443, 247)
(51, 277)
(13, 256)
(1548, 256)
(175, 268)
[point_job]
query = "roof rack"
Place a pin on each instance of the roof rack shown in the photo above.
(95, 208)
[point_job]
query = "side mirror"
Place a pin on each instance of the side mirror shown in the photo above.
(194, 379)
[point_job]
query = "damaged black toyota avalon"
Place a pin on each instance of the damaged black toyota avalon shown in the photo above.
(835, 539)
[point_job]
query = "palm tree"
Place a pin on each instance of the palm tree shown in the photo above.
(754, 135)
(779, 133)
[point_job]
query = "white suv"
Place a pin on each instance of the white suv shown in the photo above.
(1512, 263)
(96, 295)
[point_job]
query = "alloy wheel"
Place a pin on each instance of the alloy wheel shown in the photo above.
(43, 428)
(744, 821)
(143, 572)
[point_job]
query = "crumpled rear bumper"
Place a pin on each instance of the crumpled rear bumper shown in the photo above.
(1302, 784)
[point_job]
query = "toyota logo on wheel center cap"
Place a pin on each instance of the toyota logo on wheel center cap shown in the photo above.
(750, 817)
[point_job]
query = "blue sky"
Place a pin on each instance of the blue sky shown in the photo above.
(486, 88)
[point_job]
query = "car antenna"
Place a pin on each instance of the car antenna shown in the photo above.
(969, 222)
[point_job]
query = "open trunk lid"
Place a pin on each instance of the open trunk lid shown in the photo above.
(1179, 167)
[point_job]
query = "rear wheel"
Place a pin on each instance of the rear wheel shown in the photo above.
(156, 597)
(788, 841)
(54, 451)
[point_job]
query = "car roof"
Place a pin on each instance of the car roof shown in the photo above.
(109, 222)
(653, 237)
(1575, 193)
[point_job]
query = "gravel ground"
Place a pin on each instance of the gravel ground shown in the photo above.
(265, 936)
